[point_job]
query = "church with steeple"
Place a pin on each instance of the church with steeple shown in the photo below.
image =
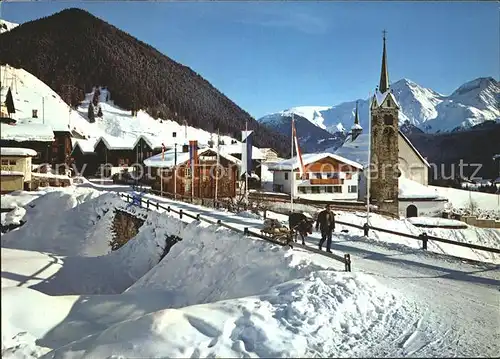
(398, 173)
(384, 172)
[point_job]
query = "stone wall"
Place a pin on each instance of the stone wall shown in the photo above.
(125, 227)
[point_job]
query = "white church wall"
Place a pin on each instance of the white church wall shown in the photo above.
(424, 208)
(411, 164)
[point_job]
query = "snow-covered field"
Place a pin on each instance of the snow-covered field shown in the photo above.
(220, 294)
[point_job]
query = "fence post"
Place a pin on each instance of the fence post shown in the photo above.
(265, 213)
(157, 205)
(180, 213)
(168, 209)
(424, 239)
(128, 197)
(245, 231)
(219, 221)
(366, 227)
(147, 203)
(198, 217)
(347, 261)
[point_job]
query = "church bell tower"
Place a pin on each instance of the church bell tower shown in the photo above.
(384, 171)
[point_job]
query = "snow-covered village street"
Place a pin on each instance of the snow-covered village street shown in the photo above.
(217, 293)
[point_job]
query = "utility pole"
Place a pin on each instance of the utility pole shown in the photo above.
(246, 165)
(367, 172)
(217, 167)
(175, 171)
(291, 173)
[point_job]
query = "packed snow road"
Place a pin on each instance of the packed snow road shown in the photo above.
(461, 298)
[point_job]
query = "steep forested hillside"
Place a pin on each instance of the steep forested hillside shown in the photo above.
(72, 50)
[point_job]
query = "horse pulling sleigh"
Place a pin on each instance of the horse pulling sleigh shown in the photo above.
(299, 225)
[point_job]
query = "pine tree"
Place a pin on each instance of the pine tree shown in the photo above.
(9, 103)
(91, 113)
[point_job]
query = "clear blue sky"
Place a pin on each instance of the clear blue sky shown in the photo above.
(269, 56)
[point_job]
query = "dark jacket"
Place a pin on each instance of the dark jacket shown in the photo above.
(325, 222)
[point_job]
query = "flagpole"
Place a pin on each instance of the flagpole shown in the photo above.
(175, 171)
(369, 160)
(246, 165)
(192, 174)
(291, 158)
(217, 167)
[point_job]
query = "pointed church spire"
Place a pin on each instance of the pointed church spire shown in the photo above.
(356, 116)
(384, 74)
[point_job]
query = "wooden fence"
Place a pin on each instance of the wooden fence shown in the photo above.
(424, 237)
(346, 259)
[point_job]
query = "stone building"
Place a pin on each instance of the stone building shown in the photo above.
(384, 172)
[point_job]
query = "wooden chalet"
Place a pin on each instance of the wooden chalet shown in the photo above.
(204, 173)
(115, 152)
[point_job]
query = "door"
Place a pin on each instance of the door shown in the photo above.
(411, 211)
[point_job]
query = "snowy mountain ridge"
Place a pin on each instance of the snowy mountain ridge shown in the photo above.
(6, 26)
(471, 104)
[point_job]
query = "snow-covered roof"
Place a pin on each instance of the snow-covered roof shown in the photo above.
(308, 158)
(409, 189)
(86, 146)
(11, 173)
(237, 148)
(26, 132)
(356, 126)
(380, 97)
(169, 157)
(357, 149)
(17, 151)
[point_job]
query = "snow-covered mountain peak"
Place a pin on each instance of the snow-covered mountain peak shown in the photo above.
(311, 113)
(472, 103)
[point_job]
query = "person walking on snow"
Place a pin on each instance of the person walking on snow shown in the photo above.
(326, 223)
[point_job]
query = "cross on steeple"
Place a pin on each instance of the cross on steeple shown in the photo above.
(383, 33)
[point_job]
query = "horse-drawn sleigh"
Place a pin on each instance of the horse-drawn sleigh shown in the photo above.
(298, 225)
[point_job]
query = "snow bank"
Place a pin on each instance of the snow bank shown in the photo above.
(325, 314)
(488, 237)
(72, 221)
(461, 199)
(436, 222)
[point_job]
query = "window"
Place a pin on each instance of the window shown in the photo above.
(348, 175)
(286, 176)
(315, 189)
(302, 189)
(317, 175)
(35, 113)
(329, 189)
(388, 102)
(297, 176)
(332, 175)
(388, 120)
(187, 172)
(353, 189)
(337, 189)
(9, 162)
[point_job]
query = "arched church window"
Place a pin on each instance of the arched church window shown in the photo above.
(388, 120)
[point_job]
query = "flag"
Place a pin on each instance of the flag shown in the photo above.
(302, 168)
(162, 152)
(246, 152)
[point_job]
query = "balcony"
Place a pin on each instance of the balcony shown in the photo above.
(330, 181)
